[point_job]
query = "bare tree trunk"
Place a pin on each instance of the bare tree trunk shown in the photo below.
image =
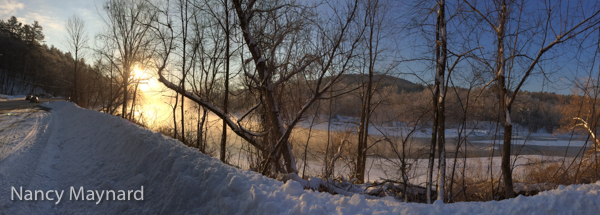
(175, 115)
(75, 98)
(183, 98)
(404, 170)
(436, 115)
(361, 152)
(504, 108)
(132, 109)
(373, 21)
(198, 132)
(595, 123)
(462, 138)
(226, 93)
(183, 11)
(432, 146)
(441, 68)
(328, 131)
(76, 40)
(125, 86)
(200, 143)
(273, 117)
(312, 123)
(110, 101)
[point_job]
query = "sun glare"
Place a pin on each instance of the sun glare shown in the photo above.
(144, 77)
(137, 73)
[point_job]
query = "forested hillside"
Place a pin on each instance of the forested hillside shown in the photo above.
(399, 99)
(28, 66)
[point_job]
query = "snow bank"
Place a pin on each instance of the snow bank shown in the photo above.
(9, 97)
(98, 151)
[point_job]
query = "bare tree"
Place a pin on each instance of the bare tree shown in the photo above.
(269, 73)
(370, 20)
(76, 40)
(186, 13)
(227, 30)
(440, 93)
(439, 119)
(498, 18)
(220, 13)
(128, 29)
(377, 21)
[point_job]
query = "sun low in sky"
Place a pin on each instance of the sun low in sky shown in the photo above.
(145, 78)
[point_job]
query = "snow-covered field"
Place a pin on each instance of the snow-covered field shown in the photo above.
(73, 147)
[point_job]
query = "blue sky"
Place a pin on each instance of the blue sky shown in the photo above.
(52, 14)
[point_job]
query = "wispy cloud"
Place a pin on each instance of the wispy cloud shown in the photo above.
(47, 21)
(9, 8)
(51, 14)
(53, 26)
(46, 18)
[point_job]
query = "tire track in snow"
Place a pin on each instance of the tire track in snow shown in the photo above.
(14, 121)
(47, 173)
(32, 160)
(20, 155)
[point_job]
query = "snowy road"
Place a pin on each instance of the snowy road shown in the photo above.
(73, 147)
(32, 156)
(21, 103)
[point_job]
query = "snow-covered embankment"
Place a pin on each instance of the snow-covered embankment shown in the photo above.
(75, 147)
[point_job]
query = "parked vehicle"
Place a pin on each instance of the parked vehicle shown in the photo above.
(34, 99)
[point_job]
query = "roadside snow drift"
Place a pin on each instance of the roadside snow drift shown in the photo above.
(8, 97)
(74, 147)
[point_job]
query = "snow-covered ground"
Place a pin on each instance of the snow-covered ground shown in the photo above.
(548, 142)
(70, 146)
(8, 97)
(478, 167)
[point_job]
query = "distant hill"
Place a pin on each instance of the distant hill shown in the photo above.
(381, 81)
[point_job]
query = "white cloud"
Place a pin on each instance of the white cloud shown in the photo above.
(51, 14)
(46, 18)
(47, 21)
(53, 25)
(9, 8)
